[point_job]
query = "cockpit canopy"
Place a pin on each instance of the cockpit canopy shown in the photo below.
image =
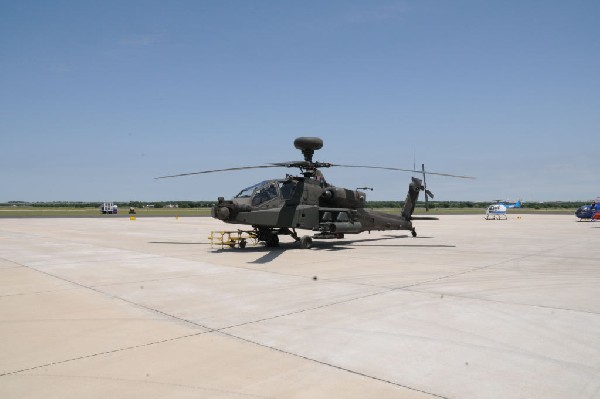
(268, 190)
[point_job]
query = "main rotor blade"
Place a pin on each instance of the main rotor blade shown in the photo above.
(220, 170)
(303, 164)
(404, 170)
(291, 164)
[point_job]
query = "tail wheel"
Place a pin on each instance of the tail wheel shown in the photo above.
(413, 232)
(305, 242)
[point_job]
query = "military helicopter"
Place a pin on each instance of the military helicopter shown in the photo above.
(308, 202)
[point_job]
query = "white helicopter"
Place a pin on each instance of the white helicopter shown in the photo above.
(497, 211)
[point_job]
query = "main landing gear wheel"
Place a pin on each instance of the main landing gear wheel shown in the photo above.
(413, 232)
(242, 244)
(268, 236)
(305, 242)
(272, 240)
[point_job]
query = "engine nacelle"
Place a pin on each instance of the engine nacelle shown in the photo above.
(343, 198)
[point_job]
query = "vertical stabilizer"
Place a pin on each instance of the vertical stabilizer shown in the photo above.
(414, 187)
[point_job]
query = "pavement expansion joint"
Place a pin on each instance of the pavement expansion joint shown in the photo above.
(103, 353)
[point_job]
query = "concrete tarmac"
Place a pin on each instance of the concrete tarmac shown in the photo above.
(119, 308)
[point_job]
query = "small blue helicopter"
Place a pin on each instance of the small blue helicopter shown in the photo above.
(497, 211)
(591, 212)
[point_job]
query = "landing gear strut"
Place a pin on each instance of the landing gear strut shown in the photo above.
(294, 235)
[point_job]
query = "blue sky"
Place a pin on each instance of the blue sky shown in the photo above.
(98, 98)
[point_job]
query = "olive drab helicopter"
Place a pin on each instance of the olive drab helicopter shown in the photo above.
(308, 202)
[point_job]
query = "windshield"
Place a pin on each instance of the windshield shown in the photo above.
(247, 192)
(265, 192)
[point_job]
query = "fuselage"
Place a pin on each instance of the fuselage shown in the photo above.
(305, 203)
(496, 211)
(588, 211)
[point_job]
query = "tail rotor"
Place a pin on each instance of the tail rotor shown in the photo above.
(428, 194)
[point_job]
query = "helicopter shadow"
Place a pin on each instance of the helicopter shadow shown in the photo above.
(337, 245)
(270, 253)
(178, 243)
(270, 256)
(367, 243)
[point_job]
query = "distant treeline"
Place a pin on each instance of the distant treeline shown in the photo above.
(134, 204)
(370, 204)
